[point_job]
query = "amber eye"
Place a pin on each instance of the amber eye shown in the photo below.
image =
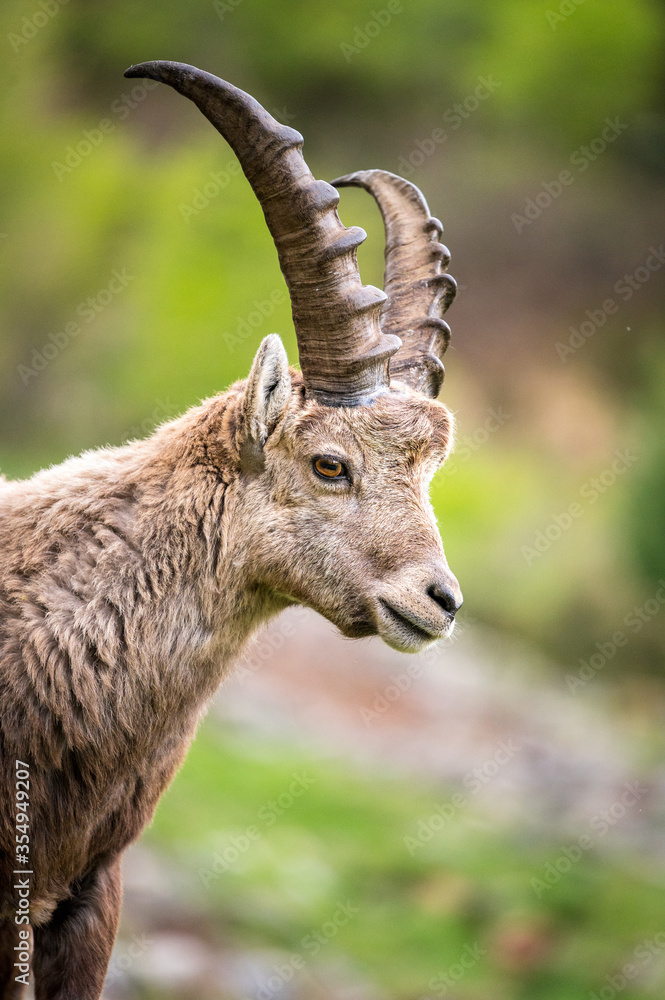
(329, 468)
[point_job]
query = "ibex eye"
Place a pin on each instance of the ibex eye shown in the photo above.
(329, 468)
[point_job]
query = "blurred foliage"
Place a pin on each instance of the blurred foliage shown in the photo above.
(473, 889)
(645, 506)
(153, 194)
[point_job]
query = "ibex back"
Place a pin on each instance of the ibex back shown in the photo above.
(131, 578)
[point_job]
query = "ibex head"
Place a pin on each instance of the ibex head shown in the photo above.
(336, 462)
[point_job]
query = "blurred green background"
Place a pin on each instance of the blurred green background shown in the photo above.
(137, 277)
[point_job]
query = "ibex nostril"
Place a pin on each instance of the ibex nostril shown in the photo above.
(445, 597)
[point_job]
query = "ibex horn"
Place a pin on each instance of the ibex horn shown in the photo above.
(418, 289)
(344, 354)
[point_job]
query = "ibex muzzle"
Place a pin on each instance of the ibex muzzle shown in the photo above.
(131, 578)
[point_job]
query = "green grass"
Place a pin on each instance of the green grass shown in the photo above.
(342, 841)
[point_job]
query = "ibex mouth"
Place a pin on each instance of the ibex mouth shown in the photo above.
(405, 631)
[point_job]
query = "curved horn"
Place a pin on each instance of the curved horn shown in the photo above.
(418, 289)
(343, 353)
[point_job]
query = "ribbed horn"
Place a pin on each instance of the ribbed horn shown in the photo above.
(344, 355)
(418, 289)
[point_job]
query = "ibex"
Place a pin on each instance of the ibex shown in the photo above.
(132, 577)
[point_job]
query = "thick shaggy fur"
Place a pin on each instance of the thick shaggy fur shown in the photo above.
(131, 577)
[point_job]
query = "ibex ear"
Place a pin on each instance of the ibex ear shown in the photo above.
(267, 395)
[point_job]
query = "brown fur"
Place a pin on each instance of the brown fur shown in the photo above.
(131, 578)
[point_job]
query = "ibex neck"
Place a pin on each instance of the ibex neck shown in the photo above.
(137, 605)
